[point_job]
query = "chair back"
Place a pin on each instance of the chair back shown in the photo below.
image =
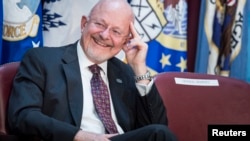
(7, 73)
(194, 101)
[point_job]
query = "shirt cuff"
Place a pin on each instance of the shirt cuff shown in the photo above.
(144, 89)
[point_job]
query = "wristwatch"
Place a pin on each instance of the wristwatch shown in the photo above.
(146, 76)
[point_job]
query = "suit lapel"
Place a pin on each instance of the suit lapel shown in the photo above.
(116, 85)
(72, 73)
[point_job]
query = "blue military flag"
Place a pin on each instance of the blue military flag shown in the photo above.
(165, 31)
(240, 67)
(246, 39)
(22, 28)
(1, 24)
(222, 41)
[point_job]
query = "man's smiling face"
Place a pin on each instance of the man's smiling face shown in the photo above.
(105, 32)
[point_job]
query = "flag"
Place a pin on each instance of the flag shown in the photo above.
(202, 50)
(247, 25)
(62, 20)
(240, 67)
(1, 26)
(165, 32)
(221, 44)
(22, 28)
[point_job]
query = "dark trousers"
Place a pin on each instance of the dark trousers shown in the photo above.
(154, 132)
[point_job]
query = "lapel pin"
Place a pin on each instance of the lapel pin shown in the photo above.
(118, 80)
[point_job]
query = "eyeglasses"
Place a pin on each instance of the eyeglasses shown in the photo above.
(114, 32)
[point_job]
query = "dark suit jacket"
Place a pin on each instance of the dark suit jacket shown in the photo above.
(47, 96)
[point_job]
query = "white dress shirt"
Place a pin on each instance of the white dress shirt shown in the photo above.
(90, 121)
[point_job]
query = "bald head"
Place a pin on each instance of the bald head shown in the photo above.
(118, 6)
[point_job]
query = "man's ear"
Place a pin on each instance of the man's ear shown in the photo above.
(83, 22)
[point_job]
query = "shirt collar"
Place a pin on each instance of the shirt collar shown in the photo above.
(85, 62)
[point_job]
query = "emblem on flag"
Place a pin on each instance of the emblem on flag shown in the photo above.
(164, 30)
(149, 18)
(20, 19)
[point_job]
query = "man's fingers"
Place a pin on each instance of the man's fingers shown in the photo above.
(110, 135)
(133, 31)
